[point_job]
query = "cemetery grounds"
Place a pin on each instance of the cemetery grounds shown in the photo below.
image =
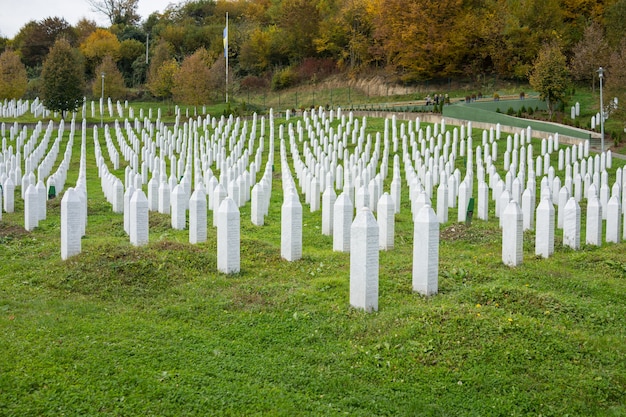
(155, 330)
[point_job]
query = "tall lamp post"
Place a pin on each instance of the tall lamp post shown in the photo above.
(102, 103)
(601, 76)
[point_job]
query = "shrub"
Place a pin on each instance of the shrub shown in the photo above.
(530, 111)
(284, 78)
(510, 111)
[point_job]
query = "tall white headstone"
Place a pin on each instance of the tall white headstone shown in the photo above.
(426, 252)
(219, 194)
(164, 197)
(9, 195)
(463, 202)
(328, 207)
(179, 208)
(364, 260)
(593, 231)
(512, 234)
(42, 194)
(571, 224)
(613, 220)
(198, 216)
(528, 209)
(386, 219)
(71, 228)
(139, 220)
(291, 227)
(257, 211)
(483, 201)
(442, 202)
(228, 237)
(342, 221)
(31, 209)
(544, 230)
(128, 195)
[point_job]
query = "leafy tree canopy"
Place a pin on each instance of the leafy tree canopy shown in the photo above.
(13, 79)
(63, 80)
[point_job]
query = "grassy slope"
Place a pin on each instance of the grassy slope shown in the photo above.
(119, 330)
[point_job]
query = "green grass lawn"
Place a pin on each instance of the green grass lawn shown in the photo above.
(156, 331)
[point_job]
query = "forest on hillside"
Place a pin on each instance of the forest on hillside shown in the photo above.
(279, 43)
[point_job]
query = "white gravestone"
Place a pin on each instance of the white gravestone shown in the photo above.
(198, 217)
(426, 252)
(228, 237)
(364, 261)
(70, 224)
(43, 197)
(153, 194)
(328, 206)
(291, 227)
(342, 220)
(442, 202)
(257, 215)
(31, 210)
(127, 197)
(9, 195)
(512, 234)
(483, 201)
(219, 194)
(544, 230)
(613, 220)
(315, 195)
(463, 202)
(528, 209)
(139, 220)
(164, 197)
(386, 217)
(593, 230)
(179, 211)
(571, 224)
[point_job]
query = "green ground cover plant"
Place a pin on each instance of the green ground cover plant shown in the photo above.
(155, 330)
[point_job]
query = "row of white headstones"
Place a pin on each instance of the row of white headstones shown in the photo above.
(318, 151)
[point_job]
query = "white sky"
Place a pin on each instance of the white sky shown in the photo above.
(14, 14)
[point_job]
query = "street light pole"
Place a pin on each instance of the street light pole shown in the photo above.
(102, 103)
(601, 76)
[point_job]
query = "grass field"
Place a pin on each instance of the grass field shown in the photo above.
(156, 331)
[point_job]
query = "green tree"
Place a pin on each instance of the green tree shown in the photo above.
(13, 79)
(130, 51)
(35, 39)
(62, 76)
(161, 84)
(549, 76)
(162, 53)
(615, 23)
(113, 81)
(99, 44)
(192, 84)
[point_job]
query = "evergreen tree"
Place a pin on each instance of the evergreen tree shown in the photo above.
(62, 76)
